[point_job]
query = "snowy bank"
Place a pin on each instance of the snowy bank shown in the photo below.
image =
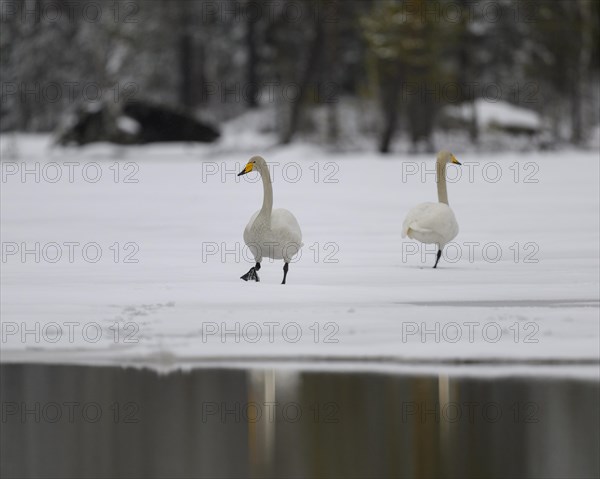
(518, 288)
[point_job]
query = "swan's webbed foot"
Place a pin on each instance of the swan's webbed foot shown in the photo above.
(252, 275)
(285, 271)
(439, 255)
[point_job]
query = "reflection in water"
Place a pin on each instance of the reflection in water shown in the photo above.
(70, 421)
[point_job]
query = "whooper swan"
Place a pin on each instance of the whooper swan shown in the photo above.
(271, 233)
(434, 223)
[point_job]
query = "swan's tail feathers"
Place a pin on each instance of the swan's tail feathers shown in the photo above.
(405, 228)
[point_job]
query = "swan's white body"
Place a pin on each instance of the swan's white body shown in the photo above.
(277, 237)
(271, 233)
(431, 223)
(434, 223)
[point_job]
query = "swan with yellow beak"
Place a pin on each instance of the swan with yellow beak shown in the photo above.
(434, 223)
(270, 233)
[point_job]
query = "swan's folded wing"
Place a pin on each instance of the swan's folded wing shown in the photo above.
(414, 219)
(435, 224)
(285, 227)
(247, 231)
(415, 226)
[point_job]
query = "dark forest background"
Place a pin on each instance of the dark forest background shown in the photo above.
(396, 65)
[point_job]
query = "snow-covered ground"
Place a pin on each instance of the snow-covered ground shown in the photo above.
(498, 114)
(520, 285)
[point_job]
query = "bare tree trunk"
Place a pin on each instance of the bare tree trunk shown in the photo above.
(582, 16)
(186, 65)
(390, 90)
(251, 88)
(201, 90)
(473, 124)
(333, 130)
(576, 126)
(310, 67)
(421, 114)
(465, 72)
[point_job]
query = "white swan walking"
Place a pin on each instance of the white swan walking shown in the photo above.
(434, 223)
(270, 233)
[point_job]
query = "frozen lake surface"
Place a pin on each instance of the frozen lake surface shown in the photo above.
(141, 265)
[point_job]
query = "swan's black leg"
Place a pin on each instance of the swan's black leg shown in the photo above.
(439, 255)
(285, 270)
(252, 275)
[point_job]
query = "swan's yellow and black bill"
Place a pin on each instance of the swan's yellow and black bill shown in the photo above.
(455, 161)
(247, 169)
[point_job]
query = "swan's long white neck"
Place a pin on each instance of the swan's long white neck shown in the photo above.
(441, 182)
(267, 206)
